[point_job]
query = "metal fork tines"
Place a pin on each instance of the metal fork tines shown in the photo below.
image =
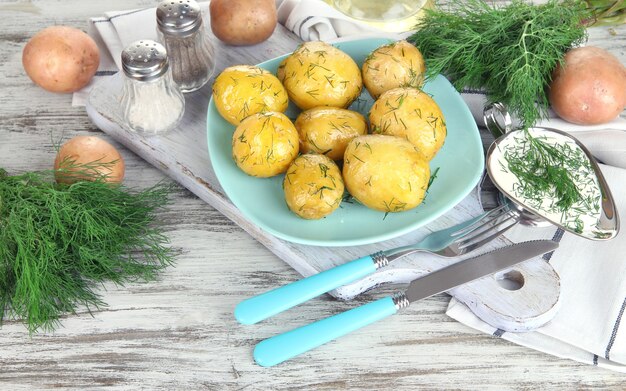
(461, 240)
(494, 224)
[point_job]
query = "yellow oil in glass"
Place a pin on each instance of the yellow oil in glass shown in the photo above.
(393, 16)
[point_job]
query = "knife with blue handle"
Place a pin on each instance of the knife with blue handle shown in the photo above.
(282, 347)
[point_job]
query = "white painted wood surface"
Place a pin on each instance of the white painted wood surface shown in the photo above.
(182, 154)
(178, 333)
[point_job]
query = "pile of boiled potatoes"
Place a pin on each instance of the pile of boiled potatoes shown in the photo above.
(385, 168)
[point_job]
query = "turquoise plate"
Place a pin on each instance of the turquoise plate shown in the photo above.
(261, 200)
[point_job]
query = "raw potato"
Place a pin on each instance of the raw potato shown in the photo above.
(243, 90)
(265, 144)
(313, 186)
(413, 114)
(318, 74)
(61, 59)
(104, 161)
(243, 22)
(398, 64)
(327, 130)
(590, 88)
(385, 173)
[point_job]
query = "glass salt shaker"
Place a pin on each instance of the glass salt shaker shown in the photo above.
(189, 48)
(151, 101)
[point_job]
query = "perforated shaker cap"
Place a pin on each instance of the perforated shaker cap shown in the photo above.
(178, 17)
(144, 60)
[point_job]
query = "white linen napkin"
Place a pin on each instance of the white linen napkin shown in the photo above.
(589, 326)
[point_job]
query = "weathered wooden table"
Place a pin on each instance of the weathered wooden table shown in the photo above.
(179, 333)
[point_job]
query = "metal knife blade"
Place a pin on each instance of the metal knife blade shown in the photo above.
(474, 268)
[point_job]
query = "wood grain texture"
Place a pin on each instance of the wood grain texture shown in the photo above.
(182, 155)
(179, 333)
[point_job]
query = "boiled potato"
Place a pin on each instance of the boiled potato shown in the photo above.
(385, 173)
(265, 144)
(410, 113)
(280, 71)
(243, 90)
(327, 130)
(313, 186)
(318, 74)
(398, 64)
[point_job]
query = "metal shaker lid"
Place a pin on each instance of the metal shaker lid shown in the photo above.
(178, 17)
(144, 60)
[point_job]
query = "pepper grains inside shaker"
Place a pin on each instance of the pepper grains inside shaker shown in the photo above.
(180, 28)
(151, 101)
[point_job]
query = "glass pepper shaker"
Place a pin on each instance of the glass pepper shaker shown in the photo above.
(182, 31)
(151, 101)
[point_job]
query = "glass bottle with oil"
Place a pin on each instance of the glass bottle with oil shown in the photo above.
(387, 15)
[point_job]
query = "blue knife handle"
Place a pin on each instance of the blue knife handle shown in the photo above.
(282, 347)
(270, 303)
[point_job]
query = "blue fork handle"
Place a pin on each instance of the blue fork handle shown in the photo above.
(270, 303)
(282, 347)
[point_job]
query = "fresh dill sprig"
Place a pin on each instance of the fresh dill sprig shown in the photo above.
(58, 242)
(509, 52)
(432, 178)
(347, 198)
(551, 177)
(542, 169)
(69, 171)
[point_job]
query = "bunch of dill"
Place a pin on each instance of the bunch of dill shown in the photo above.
(59, 242)
(509, 52)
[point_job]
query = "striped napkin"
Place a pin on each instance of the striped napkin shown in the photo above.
(588, 327)
(591, 325)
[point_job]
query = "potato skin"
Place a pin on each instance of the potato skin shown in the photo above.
(61, 59)
(265, 144)
(412, 114)
(313, 186)
(88, 150)
(590, 88)
(385, 173)
(318, 74)
(242, 90)
(243, 22)
(280, 71)
(327, 130)
(397, 64)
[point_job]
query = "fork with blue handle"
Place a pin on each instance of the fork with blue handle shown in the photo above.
(451, 242)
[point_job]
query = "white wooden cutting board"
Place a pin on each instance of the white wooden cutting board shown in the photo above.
(182, 154)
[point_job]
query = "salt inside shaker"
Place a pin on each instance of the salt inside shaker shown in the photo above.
(182, 31)
(151, 101)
